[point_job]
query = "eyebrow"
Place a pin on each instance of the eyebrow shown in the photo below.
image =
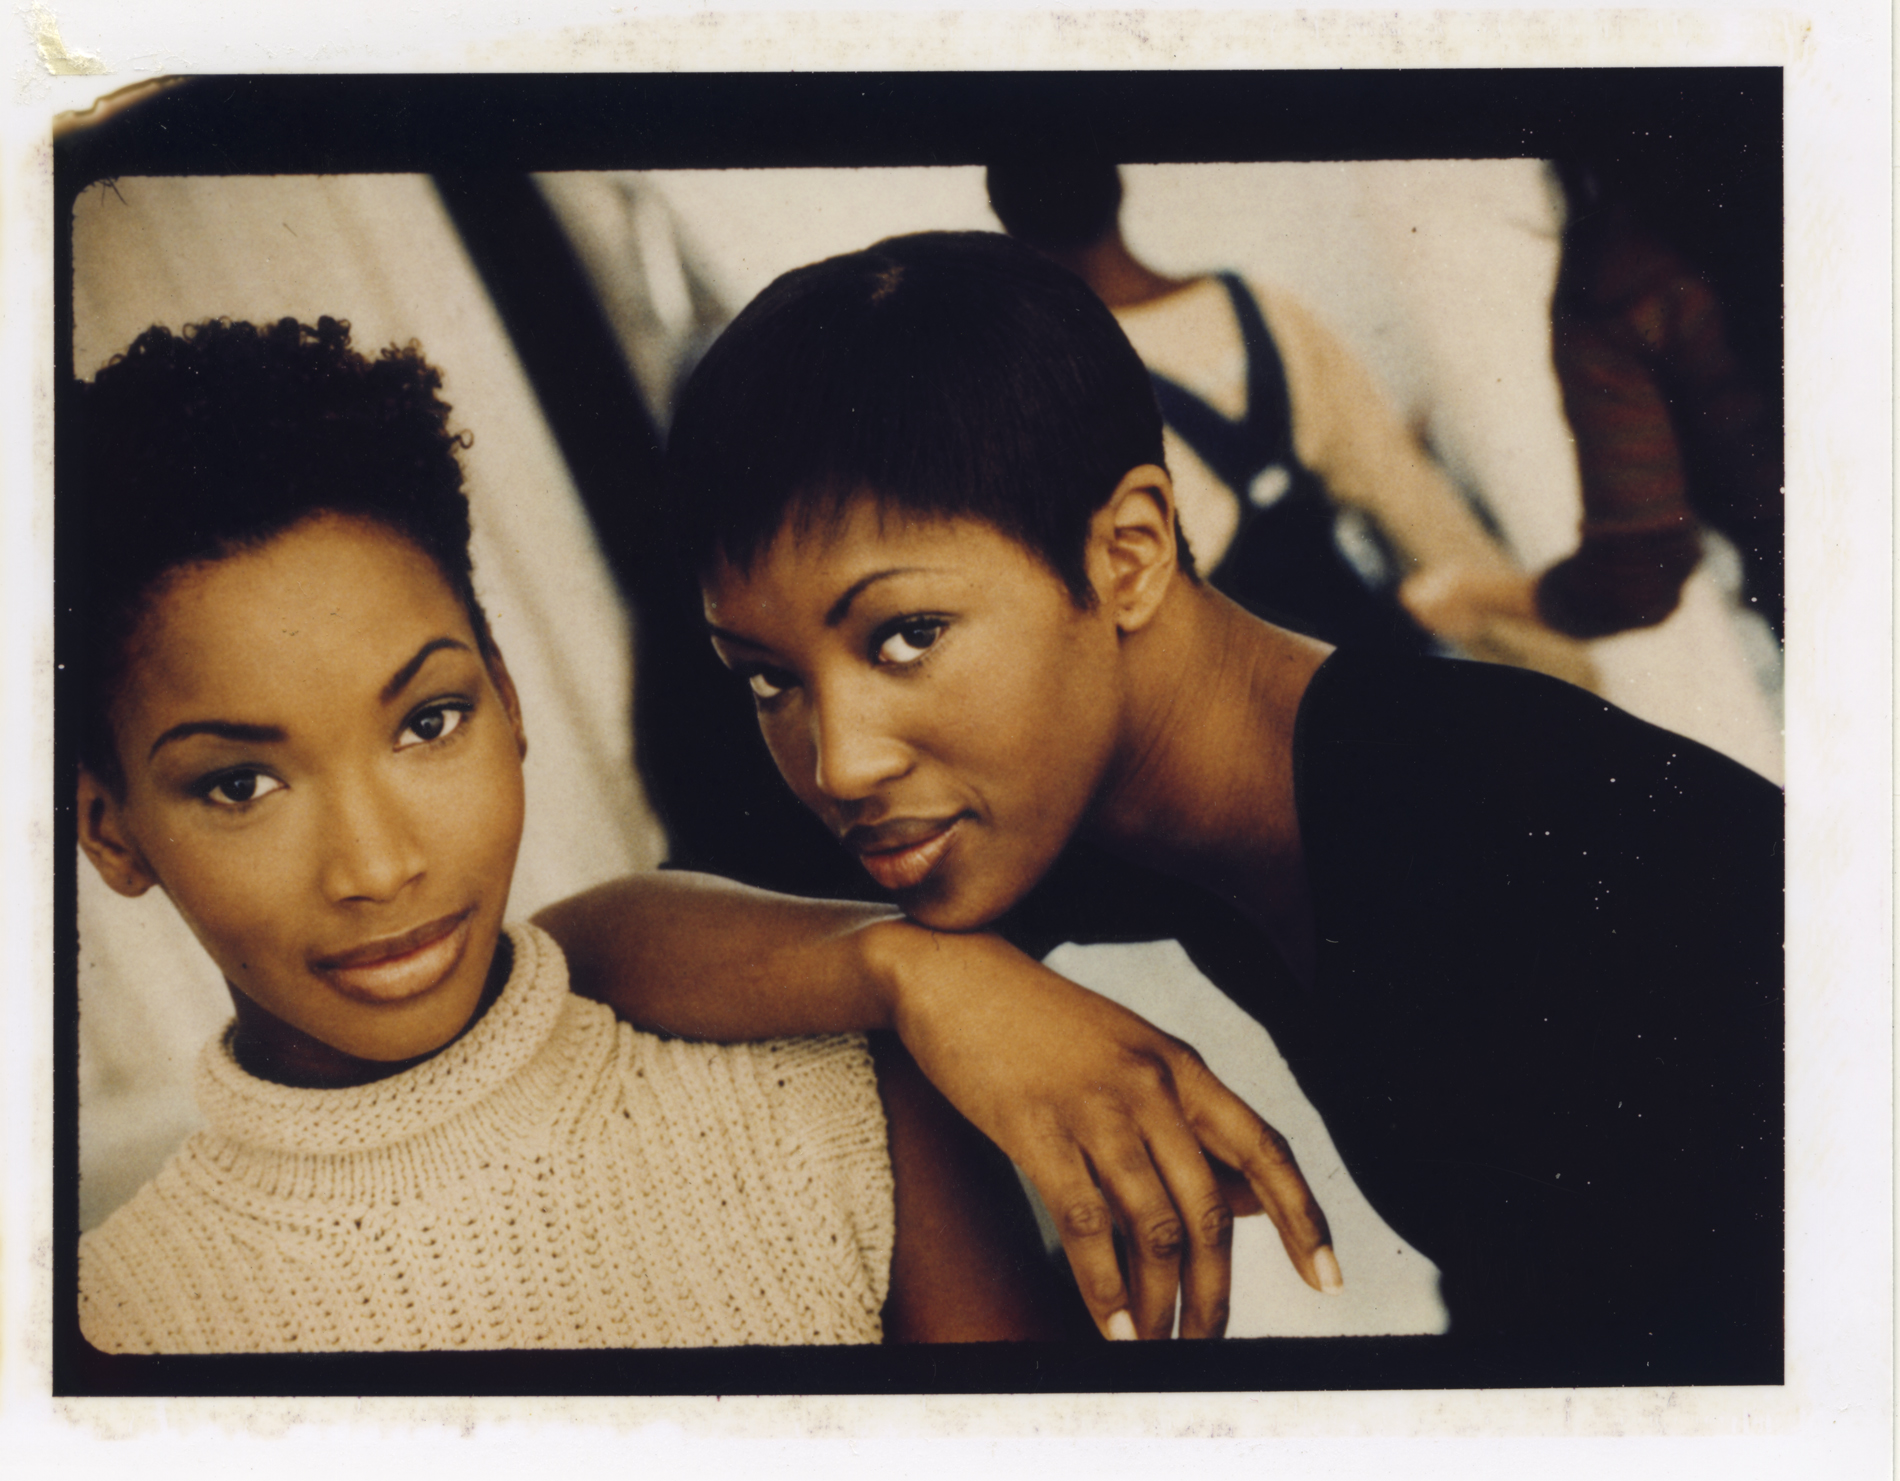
(223, 729)
(233, 730)
(838, 611)
(841, 608)
(409, 670)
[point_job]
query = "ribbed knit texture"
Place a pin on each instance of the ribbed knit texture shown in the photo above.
(554, 1179)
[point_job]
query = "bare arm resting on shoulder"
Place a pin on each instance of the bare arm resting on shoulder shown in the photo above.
(1113, 1121)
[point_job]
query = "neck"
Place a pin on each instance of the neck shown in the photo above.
(1202, 781)
(1118, 277)
(271, 1049)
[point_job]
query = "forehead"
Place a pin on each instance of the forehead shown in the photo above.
(817, 554)
(332, 603)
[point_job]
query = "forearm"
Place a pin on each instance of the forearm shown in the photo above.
(1378, 467)
(705, 958)
(1346, 430)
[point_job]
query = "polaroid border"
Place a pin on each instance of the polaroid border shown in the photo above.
(479, 136)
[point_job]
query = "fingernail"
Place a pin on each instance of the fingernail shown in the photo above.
(1326, 1266)
(1121, 1327)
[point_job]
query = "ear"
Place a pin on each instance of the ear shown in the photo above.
(1132, 555)
(108, 842)
(510, 701)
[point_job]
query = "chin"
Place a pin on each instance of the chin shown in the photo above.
(943, 906)
(942, 918)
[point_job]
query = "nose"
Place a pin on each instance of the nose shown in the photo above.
(855, 748)
(371, 848)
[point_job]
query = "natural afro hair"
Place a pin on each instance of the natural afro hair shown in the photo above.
(193, 447)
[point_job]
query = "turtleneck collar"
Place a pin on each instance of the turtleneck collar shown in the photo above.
(266, 1116)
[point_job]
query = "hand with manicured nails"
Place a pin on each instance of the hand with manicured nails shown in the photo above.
(1141, 1155)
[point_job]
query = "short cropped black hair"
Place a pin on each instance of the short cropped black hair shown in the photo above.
(194, 447)
(1055, 202)
(946, 374)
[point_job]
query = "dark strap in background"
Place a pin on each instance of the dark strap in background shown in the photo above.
(1285, 563)
(1237, 452)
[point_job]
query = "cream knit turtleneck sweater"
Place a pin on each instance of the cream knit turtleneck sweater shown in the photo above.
(554, 1178)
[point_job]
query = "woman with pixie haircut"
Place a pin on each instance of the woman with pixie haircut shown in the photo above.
(1521, 950)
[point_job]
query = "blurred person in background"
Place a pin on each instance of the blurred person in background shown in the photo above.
(1301, 493)
(1679, 441)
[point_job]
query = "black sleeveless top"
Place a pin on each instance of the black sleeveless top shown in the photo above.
(1546, 1029)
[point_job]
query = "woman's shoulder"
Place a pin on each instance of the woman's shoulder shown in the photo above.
(817, 1088)
(818, 1092)
(782, 1141)
(1473, 766)
(1363, 688)
(136, 1263)
(802, 1114)
(1476, 716)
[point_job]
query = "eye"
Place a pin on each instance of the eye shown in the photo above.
(768, 683)
(235, 788)
(908, 640)
(433, 723)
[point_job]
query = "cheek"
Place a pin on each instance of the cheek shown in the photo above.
(500, 837)
(789, 742)
(470, 817)
(243, 904)
(1052, 710)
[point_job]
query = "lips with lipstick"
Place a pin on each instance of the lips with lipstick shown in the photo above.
(901, 854)
(396, 968)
